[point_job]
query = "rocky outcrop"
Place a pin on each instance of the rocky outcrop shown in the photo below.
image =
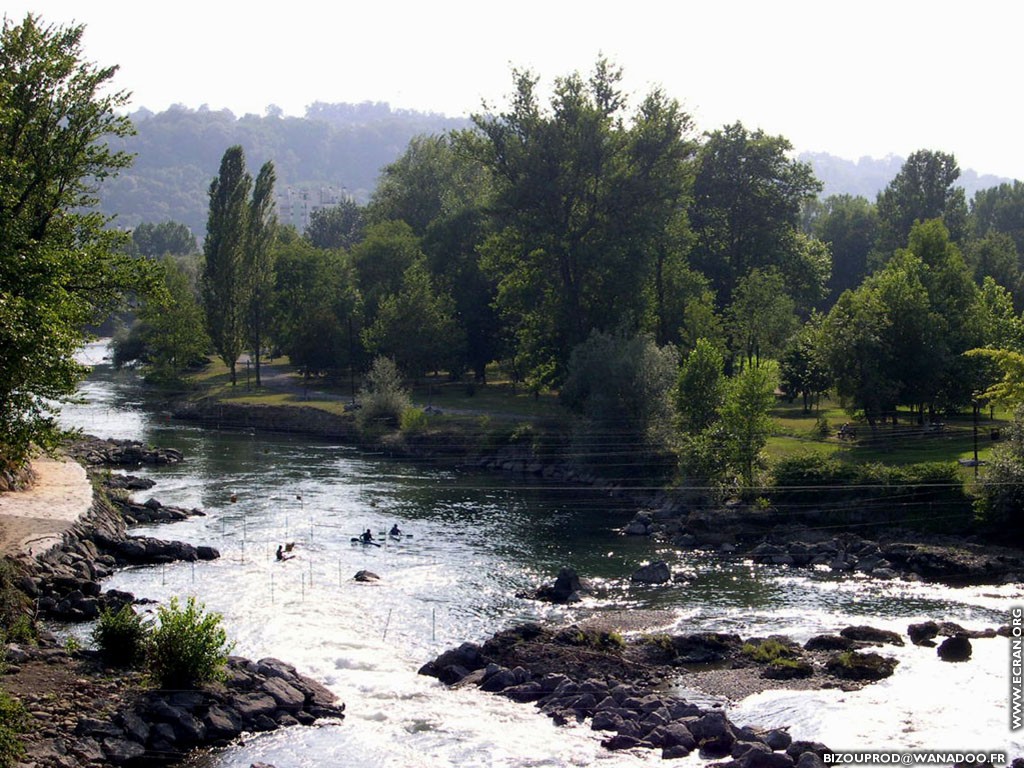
(95, 452)
(956, 648)
(613, 696)
(657, 572)
(126, 724)
(567, 588)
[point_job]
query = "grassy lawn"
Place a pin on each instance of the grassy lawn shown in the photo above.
(463, 405)
(902, 443)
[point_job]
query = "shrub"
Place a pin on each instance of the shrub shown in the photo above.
(768, 651)
(13, 722)
(122, 637)
(384, 398)
(414, 421)
(189, 647)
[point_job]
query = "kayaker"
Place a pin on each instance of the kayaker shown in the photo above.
(395, 530)
(366, 537)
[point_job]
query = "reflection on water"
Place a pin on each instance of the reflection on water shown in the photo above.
(477, 539)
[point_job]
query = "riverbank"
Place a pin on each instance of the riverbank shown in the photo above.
(60, 541)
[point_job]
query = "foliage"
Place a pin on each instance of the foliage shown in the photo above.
(316, 308)
(339, 226)
(761, 315)
(1000, 497)
(61, 267)
(416, 326)
(929, 494)
(769, 651)
(122, 636)
(848, 225)
(189, 647)
(414, 421)
(922, 190)
(14, 605)
(258, 264)
(746, 210)
(169, 334)
(588, 202)
(13, 722)
(384, 397)
(621, 385)
(704, 465)
(1009, 390)
(803, 370)
(700, 388)
(745, 421)
(225, 290)
(168, 238)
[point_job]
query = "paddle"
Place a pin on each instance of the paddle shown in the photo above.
(357, 540)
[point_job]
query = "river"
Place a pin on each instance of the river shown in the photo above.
(476, 539)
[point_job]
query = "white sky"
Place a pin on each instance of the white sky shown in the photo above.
(866, 78)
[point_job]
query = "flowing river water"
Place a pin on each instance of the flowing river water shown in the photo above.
(477, 539)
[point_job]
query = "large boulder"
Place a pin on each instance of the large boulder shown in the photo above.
(956, 648)
(657, 572)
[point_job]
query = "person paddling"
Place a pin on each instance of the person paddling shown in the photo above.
(395, 530)
(366, 537)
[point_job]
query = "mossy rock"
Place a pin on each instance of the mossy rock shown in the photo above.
(851, 665)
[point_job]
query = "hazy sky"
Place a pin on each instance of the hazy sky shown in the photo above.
(869, 78)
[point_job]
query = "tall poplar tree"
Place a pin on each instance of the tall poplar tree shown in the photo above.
(225, 290)
(258, 262)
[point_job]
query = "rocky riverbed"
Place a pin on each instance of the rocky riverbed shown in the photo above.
(83, 712)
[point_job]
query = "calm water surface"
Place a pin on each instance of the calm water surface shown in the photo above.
(476, 540)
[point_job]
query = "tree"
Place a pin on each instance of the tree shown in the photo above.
(225, 288)
(168, 237)
(621, 385)
(258, 262)
(415, 326)
(999, 210)
(746, 423)
(995, 255)
(584, 194)
(340, 226)
(922, 190)
(169, 334)
(700, 388)
(380, 261)
(61, 267)
(317, 311)
(803, 370)
(761, 315)
(746, 211)
(848, 225)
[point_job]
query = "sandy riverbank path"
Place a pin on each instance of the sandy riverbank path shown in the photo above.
(34, 520)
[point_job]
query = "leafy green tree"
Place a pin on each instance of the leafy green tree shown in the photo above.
(995, 255)
(922, 190)
(61, 267)
(317, 312)
(848, 225)
(442, 192)
(258, 263)
(225, 283)
(622, 387)
(584, 196)
(340, 226)
(745, 419)
(803, 370)
(700, 389)
(415, 327)
(167, 238)
(381, 260)
(169, 334)
(999, 210)
(761, 316)
(745, 212)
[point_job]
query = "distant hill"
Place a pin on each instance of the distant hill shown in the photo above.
(334, 151)
(178, 152)
(869, 176)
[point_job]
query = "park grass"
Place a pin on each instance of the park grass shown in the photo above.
(471, 406)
